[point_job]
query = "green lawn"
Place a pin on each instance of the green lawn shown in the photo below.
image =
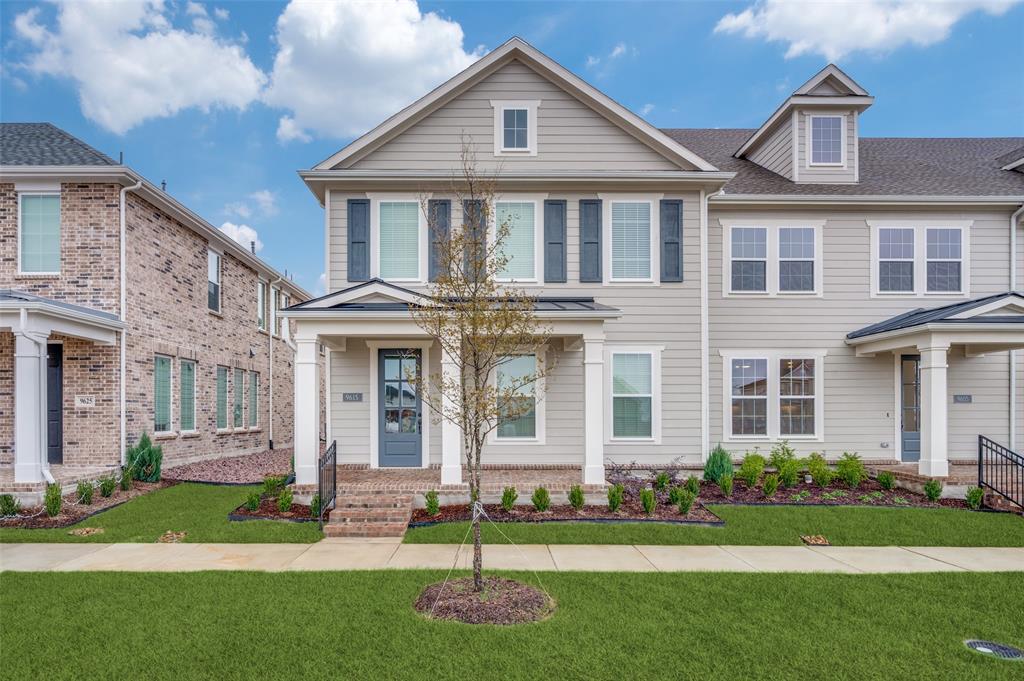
(360, 625)
(770, 525)
(200, 510)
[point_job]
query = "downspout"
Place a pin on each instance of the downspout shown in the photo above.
(270, 339)
(123, 315)
(705, 387)
(1013, 353)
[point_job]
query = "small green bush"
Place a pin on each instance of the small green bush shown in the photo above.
(719, 463)
(314, 506)
(648, 500)
(789, 472)
(974, 497)
(685, 501)
(771, 484)
(576, 497)
(780, 454)
(802, 495)
(433, 503)
(661, 481)
(84, 493)
(725, 484)
(52, 500)
(508, 498)
(751, 469)
(272, 485)
(127, 475)
(887, 480)
(615, 494)
(693, 484)
(252, 501)
(851, 470)
(541, 499)
(284, 500)
(835, 494)
(145, 460)
(900, 501)
(819, 470)
(9, 505)
(675, 493)
(933, 490)
(107, 486)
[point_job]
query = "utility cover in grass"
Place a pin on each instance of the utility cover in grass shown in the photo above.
(502, 601)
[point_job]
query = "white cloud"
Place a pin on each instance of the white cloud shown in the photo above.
(243, 234)
(201, 21)
(266, 201)
(617, 51)
(221, 13)
(592, 61)
(262, 203)
(239, 208)
(321, 285)
(646, 109)
(130, 64)
(835, 29)
(620, 49)
(342, 68)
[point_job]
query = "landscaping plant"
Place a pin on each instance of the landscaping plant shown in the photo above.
(508, 498)
(433, 504)
(284, 500)
(719, 463)
(780, 454)
(576, 497)
(725, 484)
(851, 470)
(693, 484)
(648, 500)
(84, 492)
(314, 506)
(974, 497)
(52, 500)
(661, 481)
(9, 505)
(887, 480)
(685, 501)
(145, 459)
(272, 485)
(541, 499)
(615, 494)
(771, 484)
(127, 474)
(252, 501)
(789, 472)
(819, 470)
(751, 469)
(933, 490)
(107, 486)
(675, 493)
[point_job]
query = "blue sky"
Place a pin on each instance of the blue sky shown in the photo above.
(226, 100)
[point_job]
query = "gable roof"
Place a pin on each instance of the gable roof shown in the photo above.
(44, 144)
(980, 310)
(830, 75)
(516, 48)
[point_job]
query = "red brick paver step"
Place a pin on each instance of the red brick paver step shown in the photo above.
(370, 515)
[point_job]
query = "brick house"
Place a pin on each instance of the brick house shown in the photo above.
(183, 343)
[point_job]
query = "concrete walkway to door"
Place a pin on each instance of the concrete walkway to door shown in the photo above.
(363, 554)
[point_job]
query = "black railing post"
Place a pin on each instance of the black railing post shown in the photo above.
(1000, 470)
(327, 480)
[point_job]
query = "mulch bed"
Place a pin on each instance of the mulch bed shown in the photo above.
(267, 510)
(503, 601)
(71, 512)
(631, 511)
(836, 494)
(236, 470)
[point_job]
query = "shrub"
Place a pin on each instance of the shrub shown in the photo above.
(272, 485)
(576, 497)
(851, 471)
(685, 501)
(107, 486)
(819, 470)
(145, 459)
(508, 498)
(541, 499)
(615, 494)
(284, 500)
(9, 505)
(693, 484)
(781, 453)
(887, 480)
(252, 501)
(974, 497)
(661, 481)
(725, 484)
(127, 474)
(751, 469)
(675, 494)
(52, 500)
(719, 463)
(314, 505)
(789, 472)
(648, 500)
(433, 504)
(933, 490)
(771, 484)
(84, 493)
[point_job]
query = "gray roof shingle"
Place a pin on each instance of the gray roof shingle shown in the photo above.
(889, 166)
(44, 144)
(942, 315)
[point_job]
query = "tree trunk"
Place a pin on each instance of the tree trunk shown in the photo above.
(478, 562)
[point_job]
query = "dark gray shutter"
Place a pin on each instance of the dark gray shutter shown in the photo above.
(590, 240)
(358, 239)
(475, 231)
(439, 212)
(554, 241)
(671, 240)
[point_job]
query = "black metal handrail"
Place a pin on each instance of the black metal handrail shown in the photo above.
(327, 480)
(1000, 470)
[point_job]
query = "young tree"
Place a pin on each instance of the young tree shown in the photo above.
(480, 324)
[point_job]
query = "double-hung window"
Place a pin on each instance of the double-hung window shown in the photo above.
(213, 280)
(796, 397)
(254, 399)
(398, 245)
(896, 260)
(944, 260)
(239, 405)
(749, 390)
(516, 382)
(519, 247)
(275, 320)
(222, 398)
(773, 258)
(912, 259)
(515, 129)
(796, 259)
(631, 241)
(749, 258)
(261, 306)
(632, 395)
(161, 394)
(39, 237)
(187, 395)
(827, 140)
(773, 395)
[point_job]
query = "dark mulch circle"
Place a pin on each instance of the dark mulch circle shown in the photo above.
(503, 601)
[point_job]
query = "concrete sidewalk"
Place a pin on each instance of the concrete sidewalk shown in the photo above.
(363, 554)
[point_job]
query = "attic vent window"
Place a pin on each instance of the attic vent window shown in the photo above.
(515, 127)
(827, 140)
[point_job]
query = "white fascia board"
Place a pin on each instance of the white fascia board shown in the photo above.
(949, 331)
(835, 72)
(1014, 164)
(313, 314)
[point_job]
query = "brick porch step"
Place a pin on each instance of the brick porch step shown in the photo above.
(370, 515)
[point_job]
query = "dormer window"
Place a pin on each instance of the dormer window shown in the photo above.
(827, 140)
(515, 128)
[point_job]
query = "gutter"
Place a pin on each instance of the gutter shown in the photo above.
(1013, 353)
(124, 317)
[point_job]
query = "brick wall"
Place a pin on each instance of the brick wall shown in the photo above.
(91, 435)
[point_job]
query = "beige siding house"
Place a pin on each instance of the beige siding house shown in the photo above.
(795, 282)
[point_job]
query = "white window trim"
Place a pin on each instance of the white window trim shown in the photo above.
(262, 288)
(21, 270)
(286, 329)
(531, 106)
(539, 388)
(774, 406)
(195, 410)
(607, 201)
(921, 228)
(234, 390)
(227, 398)
(220, 280)
(772, 228)
(275, 302)
(655, 352)
(248, 421)
(421, 241)
(538, 233)
(842, 139)
(170, 395)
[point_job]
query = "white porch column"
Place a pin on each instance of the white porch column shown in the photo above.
(934, 407)
(29, 407)
(451, 434)
(593, 411)
(307, 410)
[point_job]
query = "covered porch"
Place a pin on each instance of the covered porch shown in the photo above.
(922, 343)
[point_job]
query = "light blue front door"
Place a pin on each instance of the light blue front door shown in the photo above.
(400, 442)
(910, 411)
